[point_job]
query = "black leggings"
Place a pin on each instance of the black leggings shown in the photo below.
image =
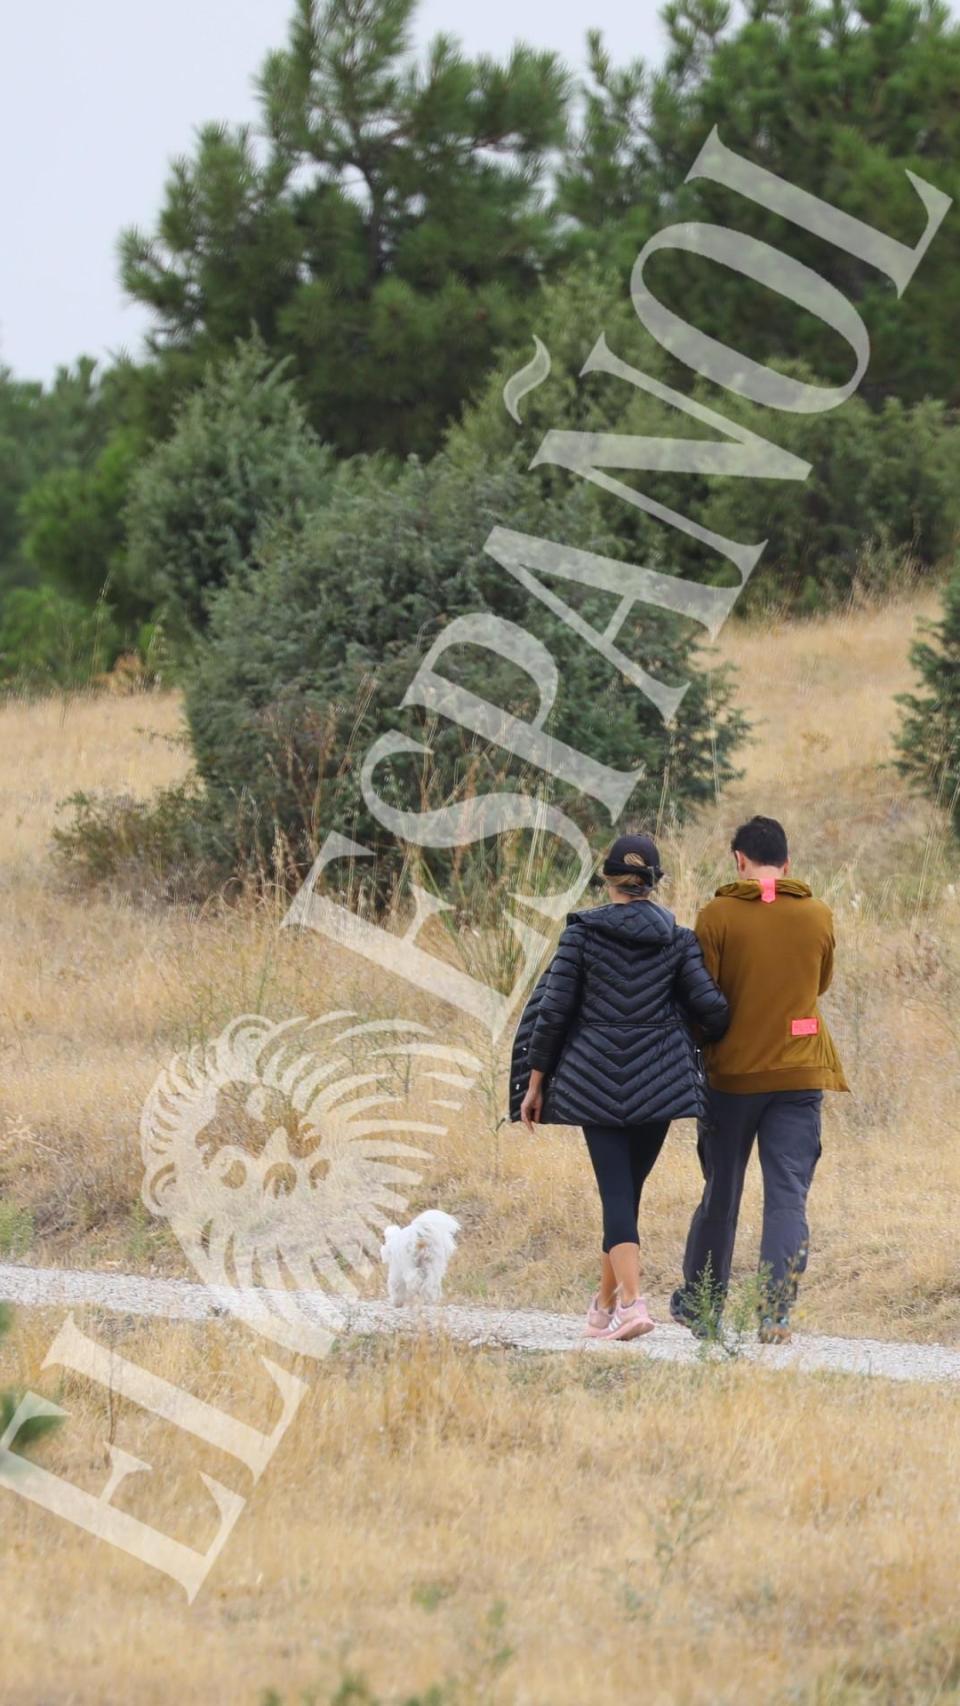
(622, 1157)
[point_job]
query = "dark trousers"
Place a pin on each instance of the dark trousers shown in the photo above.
(786, 1125)
(622, 1157)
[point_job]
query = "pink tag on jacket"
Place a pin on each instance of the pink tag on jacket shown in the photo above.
(804, 1027)
(768, 889)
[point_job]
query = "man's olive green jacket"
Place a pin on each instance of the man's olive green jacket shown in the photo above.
(772, 957)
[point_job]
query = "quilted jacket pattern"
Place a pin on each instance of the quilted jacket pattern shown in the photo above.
(609, 1022)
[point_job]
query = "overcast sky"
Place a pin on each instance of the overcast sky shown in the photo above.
(96, 98)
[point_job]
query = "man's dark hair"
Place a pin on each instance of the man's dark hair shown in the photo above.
(763, 841)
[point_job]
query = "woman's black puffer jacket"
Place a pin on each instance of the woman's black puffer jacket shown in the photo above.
(609, 1023)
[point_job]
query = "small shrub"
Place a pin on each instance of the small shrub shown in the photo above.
(156, 849)
(724, 1320)
(354, 1690)
(487, 1654)
(48, 639)
(16, 1229)
(141, 1238)
(141, 666)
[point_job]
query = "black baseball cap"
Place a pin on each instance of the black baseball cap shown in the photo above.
(634, 856)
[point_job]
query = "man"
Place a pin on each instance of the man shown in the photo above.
(769, 946)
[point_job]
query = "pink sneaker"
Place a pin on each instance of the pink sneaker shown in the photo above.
(630, 1320)
(598, 1320)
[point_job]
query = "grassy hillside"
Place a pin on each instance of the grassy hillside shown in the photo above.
(98, 993)
(464, 1527)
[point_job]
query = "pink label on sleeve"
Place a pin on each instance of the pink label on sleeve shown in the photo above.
(768, 888)
(804, 1027)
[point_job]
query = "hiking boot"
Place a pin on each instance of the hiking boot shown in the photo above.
(775, 1330)
(683, 1312)
(629, 1320)
(598, 1320)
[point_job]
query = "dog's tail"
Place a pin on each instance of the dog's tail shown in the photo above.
(435, 1229)
(434, 1219)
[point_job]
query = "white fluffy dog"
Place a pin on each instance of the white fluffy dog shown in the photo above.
(417, 1256)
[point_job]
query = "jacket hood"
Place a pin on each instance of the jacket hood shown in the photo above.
(750, 890)
(644, 922)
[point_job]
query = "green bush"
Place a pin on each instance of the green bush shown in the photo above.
(307, 659)
(46, 431)
(50, 640)
(882, 489)
(929, 740)
(882, 482)
(240, 461)
(73, 525)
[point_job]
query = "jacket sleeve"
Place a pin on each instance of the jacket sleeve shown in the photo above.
(698, 993)
(826, 958)
(561, 998)
(709, 943)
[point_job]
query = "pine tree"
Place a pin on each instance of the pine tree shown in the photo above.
(73, 526)
(241, 459)
(929, 741)
(388, 235)
(840, 99)
(45, 430)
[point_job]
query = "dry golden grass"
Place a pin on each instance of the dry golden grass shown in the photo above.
(55, 747)
(544, 1531)
(696, 1537)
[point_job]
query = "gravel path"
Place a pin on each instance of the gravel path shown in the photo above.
(521, 1329)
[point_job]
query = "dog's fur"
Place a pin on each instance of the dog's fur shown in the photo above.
(417, 1256)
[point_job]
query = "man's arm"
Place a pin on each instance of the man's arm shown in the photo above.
(709, 938)
(826, 961)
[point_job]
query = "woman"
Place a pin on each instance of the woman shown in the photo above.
(607, 1040)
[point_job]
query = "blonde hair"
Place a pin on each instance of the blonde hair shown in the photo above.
(634, 884)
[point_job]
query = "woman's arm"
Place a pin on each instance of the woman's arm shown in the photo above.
(561, 998)
(698, 993)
